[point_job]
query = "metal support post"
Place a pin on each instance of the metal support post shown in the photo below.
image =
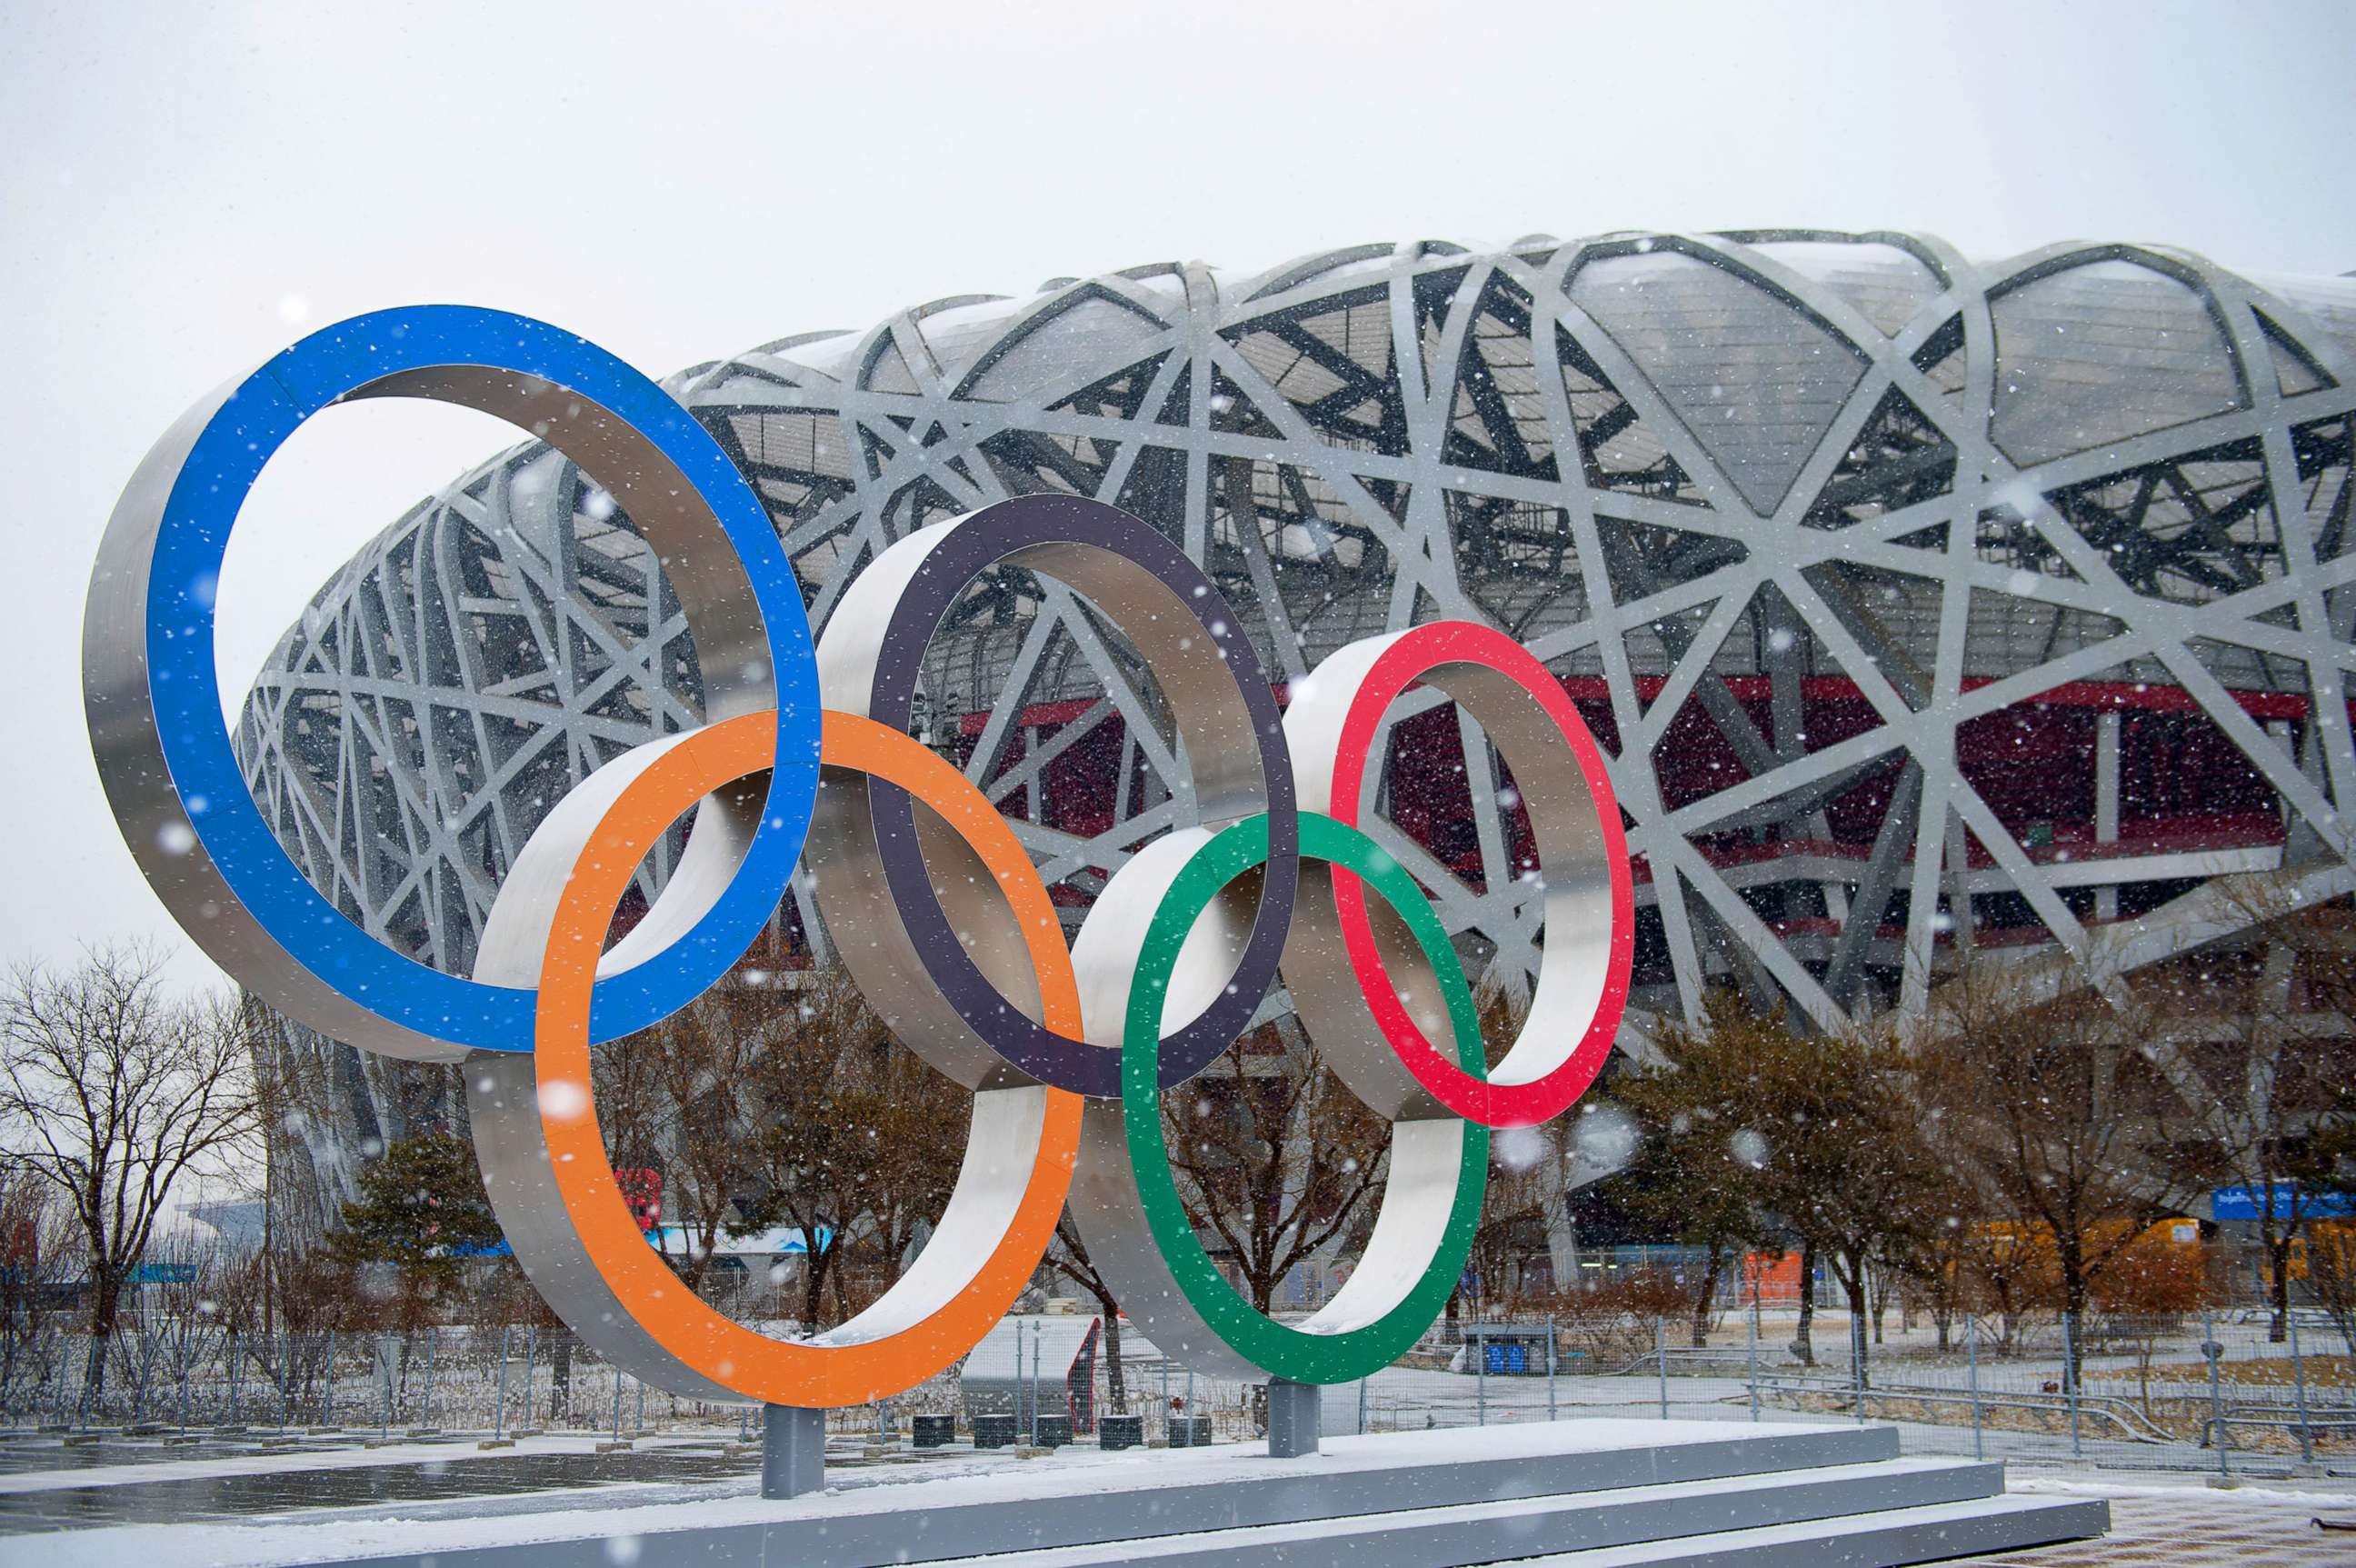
(425, 1416)
(2298, 1385)
(1750, 1346)
(617, 1404)
(2106, 803)
(1362, 1406)
(146, 1359)
(1856, 1365)
(1165, 1404)
(1480, 1348)
(793, 1451)
(499, 1404)
(1038, 1332)
(2070, 1377)
(234, 1367)
(1550, 1367)
(1972, 1354)
(1661, 1360)
(2213, 1352)
(327, 1381)
(1292, 1418)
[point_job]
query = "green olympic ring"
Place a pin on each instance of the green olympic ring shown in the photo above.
(1336, 1349)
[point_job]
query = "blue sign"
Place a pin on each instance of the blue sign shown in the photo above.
(2243, 1203)
(1509, 1355)
(779, 1241)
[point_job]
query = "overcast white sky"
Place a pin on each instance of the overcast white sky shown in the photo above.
(185, 188)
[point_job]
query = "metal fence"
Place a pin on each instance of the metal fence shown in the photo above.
(2196, 1391)
(166, 1377)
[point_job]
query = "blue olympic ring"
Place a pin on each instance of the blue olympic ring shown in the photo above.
(207, 495)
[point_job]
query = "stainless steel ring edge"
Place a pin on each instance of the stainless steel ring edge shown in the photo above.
(1221, 706)
(150, 692)
(949, 968)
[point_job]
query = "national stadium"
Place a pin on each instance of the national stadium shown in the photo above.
(1934, 611)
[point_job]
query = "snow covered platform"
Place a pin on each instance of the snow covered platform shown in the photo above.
(1576, 1492)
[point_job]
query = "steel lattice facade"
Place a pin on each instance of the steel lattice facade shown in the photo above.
(1926, 605)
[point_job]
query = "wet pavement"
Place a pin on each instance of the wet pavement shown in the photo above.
(282, 1487)
(42, 1456)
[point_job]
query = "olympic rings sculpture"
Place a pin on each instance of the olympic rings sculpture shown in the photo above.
(937, 910)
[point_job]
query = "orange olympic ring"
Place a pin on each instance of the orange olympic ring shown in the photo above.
(896, 1349)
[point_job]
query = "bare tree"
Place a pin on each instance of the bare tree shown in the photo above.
(1524, 1200)
(110, 1092)
(1274, 1155)
(2331, 1276)
(680, 1098)
(2256, 1038)
(1069, 1257)
(2056, 1110)
(39, 1251)
(1703, 1141)
(2329, 1169)
(1755, 1128)
(834, 1150)
(914, 1120)
(765, 1104)
(301, 1194)
(1845, 1162)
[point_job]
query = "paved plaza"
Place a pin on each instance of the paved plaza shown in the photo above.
(2192, 1526)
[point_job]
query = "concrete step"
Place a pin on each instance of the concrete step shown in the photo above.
(1580, 1490)
(1130, 1497)
(1577, 1524)
(1892, 1540)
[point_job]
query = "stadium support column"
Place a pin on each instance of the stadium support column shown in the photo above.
(1786, 661)
(2300, 842)
(2106, 802)
(1861, 922)
(1562, 1243)
(1959, 888)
